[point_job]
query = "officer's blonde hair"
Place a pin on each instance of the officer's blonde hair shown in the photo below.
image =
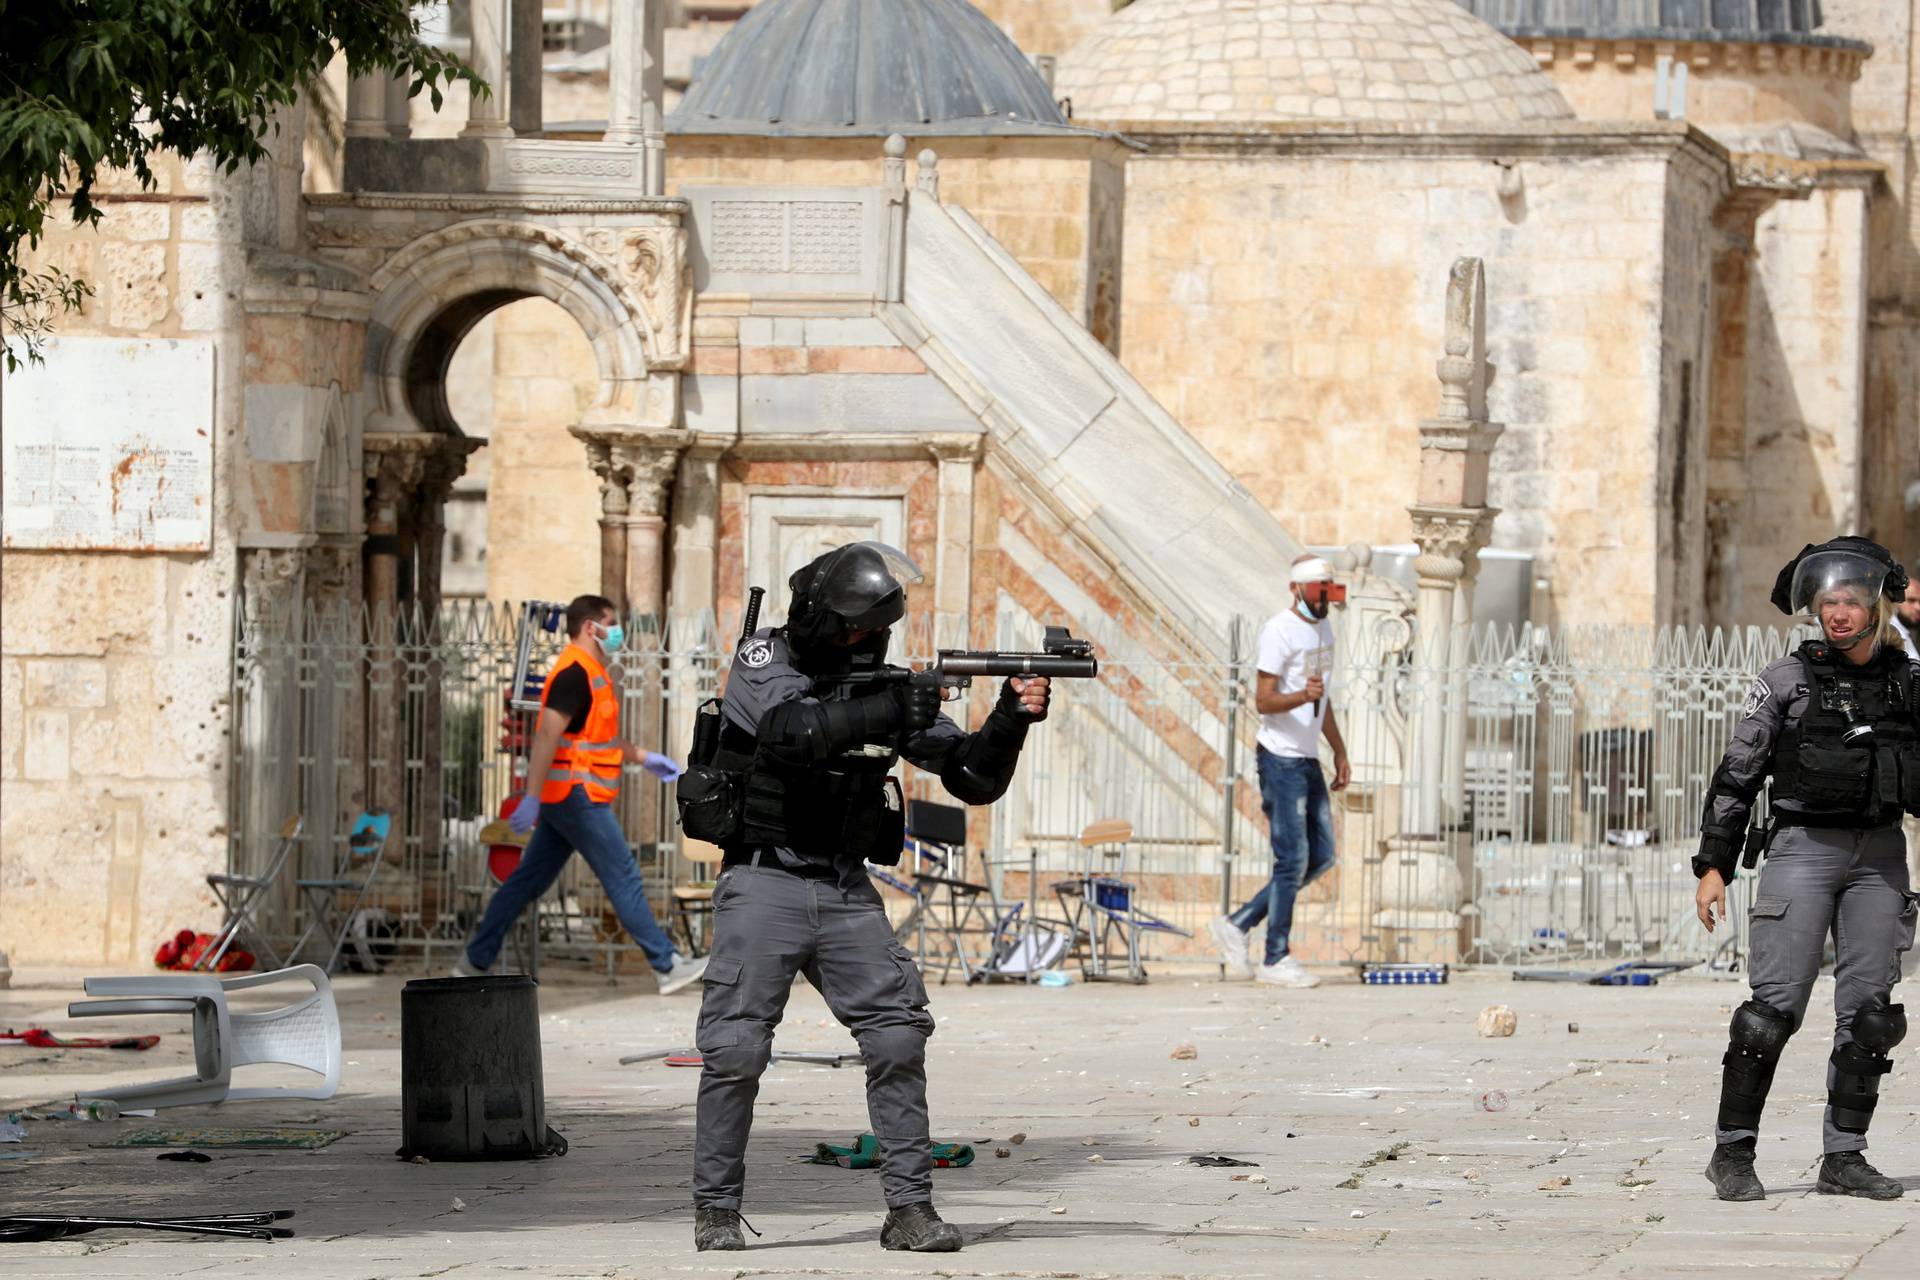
(1885, 634)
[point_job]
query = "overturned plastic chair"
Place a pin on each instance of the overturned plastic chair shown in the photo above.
(304, 1034)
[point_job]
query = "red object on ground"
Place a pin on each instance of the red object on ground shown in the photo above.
(184, 949)
(503, 858)
(41, 1038)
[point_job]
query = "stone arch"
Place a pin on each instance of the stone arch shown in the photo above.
(432, 292)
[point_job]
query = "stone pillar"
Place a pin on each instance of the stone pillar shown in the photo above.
(1421, 886)
(524, 92)
(957, 456)
(399, 108)
(267, 739)
(637, 87)
(393, 471)
(487, 113)
(651, 468)
(614, 477)
(367, 105)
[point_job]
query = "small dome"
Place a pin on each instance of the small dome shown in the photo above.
(867, 67)
(1232, 61)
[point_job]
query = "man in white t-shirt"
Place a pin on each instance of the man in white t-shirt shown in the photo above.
(1294, 657)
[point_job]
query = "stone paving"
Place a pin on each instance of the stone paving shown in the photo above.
(1361, 1106)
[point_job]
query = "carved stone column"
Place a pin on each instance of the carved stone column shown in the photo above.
(1422, 880)
(487, 116)
(267, 738)
(637, 86)
(367, 105)
(636, 471)
(614, 478)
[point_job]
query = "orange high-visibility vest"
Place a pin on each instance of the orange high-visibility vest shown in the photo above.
(590, 758)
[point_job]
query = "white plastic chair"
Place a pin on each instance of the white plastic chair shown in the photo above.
(304, 1034)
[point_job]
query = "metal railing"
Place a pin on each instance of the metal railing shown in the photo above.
(1564, 802)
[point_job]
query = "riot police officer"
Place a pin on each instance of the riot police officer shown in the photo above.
(810, 747)
(1834, 725)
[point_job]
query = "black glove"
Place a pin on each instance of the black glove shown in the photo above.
(919, 705)
(1717, 853)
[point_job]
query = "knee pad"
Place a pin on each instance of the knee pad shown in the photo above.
(1858, 1066)
(1755, 1040)
(1880, 1029)
(742, 1060)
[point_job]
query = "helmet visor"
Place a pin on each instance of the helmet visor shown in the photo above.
(864, 584)
(1825, 579)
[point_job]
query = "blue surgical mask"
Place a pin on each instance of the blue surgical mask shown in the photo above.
(613, 637)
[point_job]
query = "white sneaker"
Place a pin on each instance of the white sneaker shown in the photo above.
(463, 967)
(1232, 941)
(1286, 973)
(684, 971)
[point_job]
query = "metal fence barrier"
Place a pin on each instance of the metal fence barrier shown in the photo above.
(1554, 823)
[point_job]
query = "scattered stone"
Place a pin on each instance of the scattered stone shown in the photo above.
(1017, 1139)
(1089, 1142)
(1358, 1213)
(419, 1160)
(1057, 1209)
(459, 1205)
(1185, 1053)
(1573, 1028)
(1001, 1153)
(1497, 1020)
(1096, 1159)
(1193, 1122)
(1556, 1183)
(1471, 1175)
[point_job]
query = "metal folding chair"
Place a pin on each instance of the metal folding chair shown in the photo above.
(353, 873)
(953, 909)
(693, 901)
(1100, 905)
(241, 896)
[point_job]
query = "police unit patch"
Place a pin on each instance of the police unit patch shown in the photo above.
(757, 655)
(1756, 697)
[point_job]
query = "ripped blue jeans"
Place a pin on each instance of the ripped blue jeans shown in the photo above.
(1293, 794)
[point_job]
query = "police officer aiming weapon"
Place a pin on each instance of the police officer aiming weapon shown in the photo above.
(1834, 726)
(790, 774)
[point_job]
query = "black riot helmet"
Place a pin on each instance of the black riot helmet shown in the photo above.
(861, 586)
(1853, 568)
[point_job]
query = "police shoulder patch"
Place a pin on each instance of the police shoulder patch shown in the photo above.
(756, 655)
(1757, 697)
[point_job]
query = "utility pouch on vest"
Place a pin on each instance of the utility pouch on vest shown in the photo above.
(1908, 755)
(877, 826)
(1835, 777)
(707, 722)
(1759, 838)
(711, 803)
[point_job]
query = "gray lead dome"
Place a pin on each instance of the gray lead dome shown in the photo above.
(867, 67)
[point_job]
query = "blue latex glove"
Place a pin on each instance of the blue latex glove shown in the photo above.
(665, 768)
(524, 814)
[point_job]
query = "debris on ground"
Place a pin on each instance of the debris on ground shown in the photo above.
(1017, 1139)
(1497, 1020)
(419, 1160)
(1057, 1209)
(185, 1157)
(1001, 1153)
(1378, 1157)
(1556, 1183)
(1096, 1159)
(1358, 1213)
(1471, 1175)
(1492, 1100)
(459, 1205)
(1221, 1162)
(1193, 1122)
(1573, 1028)
(12, 1131)
(1248, 1177)
(1185, 1053)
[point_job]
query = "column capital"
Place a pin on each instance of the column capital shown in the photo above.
(1449, 539)
(956, 446)
(640, 465)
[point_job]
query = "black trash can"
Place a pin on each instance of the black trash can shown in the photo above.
(470, 1082)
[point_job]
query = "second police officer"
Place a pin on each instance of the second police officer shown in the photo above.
(1833, 724)
(810, 754)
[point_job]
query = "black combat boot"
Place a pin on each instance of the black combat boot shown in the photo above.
(1847, 1173)
(717, 1229)
(1731, 1172)
(918, 1229)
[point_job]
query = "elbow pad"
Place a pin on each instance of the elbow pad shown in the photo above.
(981, 768)
(805, 732)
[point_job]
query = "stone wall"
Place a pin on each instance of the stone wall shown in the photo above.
(1279, 300)
(114, 668)
(1047, 27)
(1035, 195)
(1799, 476)
(1728, 82)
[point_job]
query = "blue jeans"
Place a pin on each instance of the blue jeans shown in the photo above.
(575, 823)
(1293, 794)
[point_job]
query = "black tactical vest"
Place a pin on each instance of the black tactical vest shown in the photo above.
(1853, 757)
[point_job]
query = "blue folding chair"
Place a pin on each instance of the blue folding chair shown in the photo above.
(1099, 906)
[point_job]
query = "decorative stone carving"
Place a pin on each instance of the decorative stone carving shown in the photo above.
(929, 183)
(1463, 369)
(806, 237)
(656, 259)
(268, 575)
(1449, 539)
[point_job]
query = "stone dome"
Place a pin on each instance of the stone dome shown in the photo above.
(867, 67)
(1232, 61)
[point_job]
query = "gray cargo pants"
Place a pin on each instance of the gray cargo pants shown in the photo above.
(769, 925)
(1816, 881)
